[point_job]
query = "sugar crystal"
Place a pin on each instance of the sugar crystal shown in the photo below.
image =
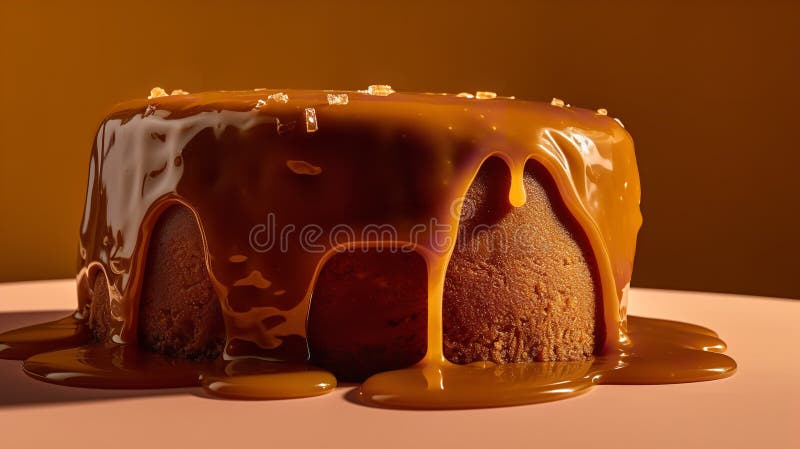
(279, 97)
(311, 120)
(380, 90)
(339, 99)
(157, 92)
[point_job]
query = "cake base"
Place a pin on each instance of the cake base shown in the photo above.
(660, 352)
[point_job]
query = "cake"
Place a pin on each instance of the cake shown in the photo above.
(372, 235)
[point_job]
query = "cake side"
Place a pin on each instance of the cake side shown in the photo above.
(519, 287)
(521, 284)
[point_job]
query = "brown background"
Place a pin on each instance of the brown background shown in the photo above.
(709, 90)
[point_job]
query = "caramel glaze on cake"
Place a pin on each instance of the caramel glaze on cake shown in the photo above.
(470, 251)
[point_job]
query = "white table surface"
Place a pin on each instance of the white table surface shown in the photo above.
(759, 407)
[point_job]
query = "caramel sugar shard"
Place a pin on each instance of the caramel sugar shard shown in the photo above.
(379, 90)
(311, 120)
(338, 99)
(279, 97)
(157, 92)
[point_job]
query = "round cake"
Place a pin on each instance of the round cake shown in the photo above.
(308, 226)
(449, 251)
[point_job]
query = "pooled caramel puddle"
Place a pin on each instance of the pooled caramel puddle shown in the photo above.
(659, 352)
(250, 378)
(109, 365)
(19, 344)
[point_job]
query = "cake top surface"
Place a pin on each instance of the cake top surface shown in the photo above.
(495, 112)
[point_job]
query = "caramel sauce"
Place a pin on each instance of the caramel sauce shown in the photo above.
(663, 352)
(242, 160)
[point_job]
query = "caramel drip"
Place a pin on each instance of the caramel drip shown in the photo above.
(248, 168)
